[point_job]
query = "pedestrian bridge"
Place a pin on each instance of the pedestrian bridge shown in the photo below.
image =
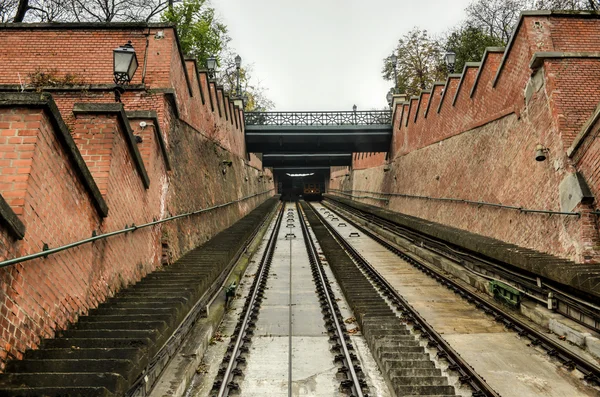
(318, 132)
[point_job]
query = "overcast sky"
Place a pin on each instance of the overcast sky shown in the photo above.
(327, 54)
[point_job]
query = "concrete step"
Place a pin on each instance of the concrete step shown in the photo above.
(121, 325)
(415, 372)
(424, 390)
(399, 349)
(390, 365)
(128, 311)
(113, 382)
(56, 392)
(150, 334)
(106, 343)
(419, 380)
(131, 354)
(403, 356)
(126, 368)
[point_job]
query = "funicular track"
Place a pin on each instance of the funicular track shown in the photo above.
(590, 371)
(232, 365)
(579, 309)
(406, 366)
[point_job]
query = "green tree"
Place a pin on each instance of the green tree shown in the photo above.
(201, 34)
(419, 62)
(469, 44)
(254, 94)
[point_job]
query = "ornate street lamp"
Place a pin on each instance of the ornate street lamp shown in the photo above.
(394, 61)
(238, 65)
(125, 64)
(211, 65)
(450, 59)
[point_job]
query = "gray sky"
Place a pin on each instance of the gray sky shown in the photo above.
(327, 54)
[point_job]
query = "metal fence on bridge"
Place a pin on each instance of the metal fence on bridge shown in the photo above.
(369, 117)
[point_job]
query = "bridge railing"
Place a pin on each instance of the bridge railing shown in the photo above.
(369, 117)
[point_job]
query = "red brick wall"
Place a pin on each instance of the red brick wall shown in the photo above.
(39, 296)
(43, 295)
(482, 146)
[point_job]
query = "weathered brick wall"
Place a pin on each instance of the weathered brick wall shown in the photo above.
(49, 193)
(474, 138)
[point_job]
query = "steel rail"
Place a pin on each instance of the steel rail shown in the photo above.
(457, 363)
(314, 258)
(573, 303)
(590, 371)
(226, 384)
(126, 229)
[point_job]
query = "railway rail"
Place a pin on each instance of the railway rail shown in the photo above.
(239, 348)
(590, 371)
(225, 382)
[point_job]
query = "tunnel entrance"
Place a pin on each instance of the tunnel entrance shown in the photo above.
(307, 184)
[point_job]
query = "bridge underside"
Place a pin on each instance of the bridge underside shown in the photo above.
(318, 139)
(301, 170)
(307, 160)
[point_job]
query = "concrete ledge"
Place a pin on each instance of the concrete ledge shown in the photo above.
(435, 84)
(584, 132)
(10, 219)
(538, 58)
(450, 77)
(462, 78)
(487, 51)
(576, 278)
(548, 13)
(151, 115)
(117, 110)
(45, 101)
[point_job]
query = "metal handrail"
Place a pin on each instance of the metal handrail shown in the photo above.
(131, 228)
(369, 117)
(457, 200)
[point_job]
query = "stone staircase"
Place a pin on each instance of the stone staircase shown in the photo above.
(406, 366)
(105, 352)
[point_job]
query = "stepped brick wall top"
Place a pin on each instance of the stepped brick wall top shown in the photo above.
(474, 137)
(75, 163)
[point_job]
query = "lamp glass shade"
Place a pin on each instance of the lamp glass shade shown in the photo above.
(450, 58)
(238, 61)
(394, 59)
(211, 63)
(125, 63)
(354, 108)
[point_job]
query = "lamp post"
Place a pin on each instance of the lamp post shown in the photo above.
(394, 61)
(211, 65)
(354, 111)
(125, 64)
(238, 65)
(450, 59)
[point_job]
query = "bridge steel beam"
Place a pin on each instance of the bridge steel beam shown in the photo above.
(318, 139)
(307, 159)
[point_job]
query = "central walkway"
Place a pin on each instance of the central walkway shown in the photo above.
(290, 353)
